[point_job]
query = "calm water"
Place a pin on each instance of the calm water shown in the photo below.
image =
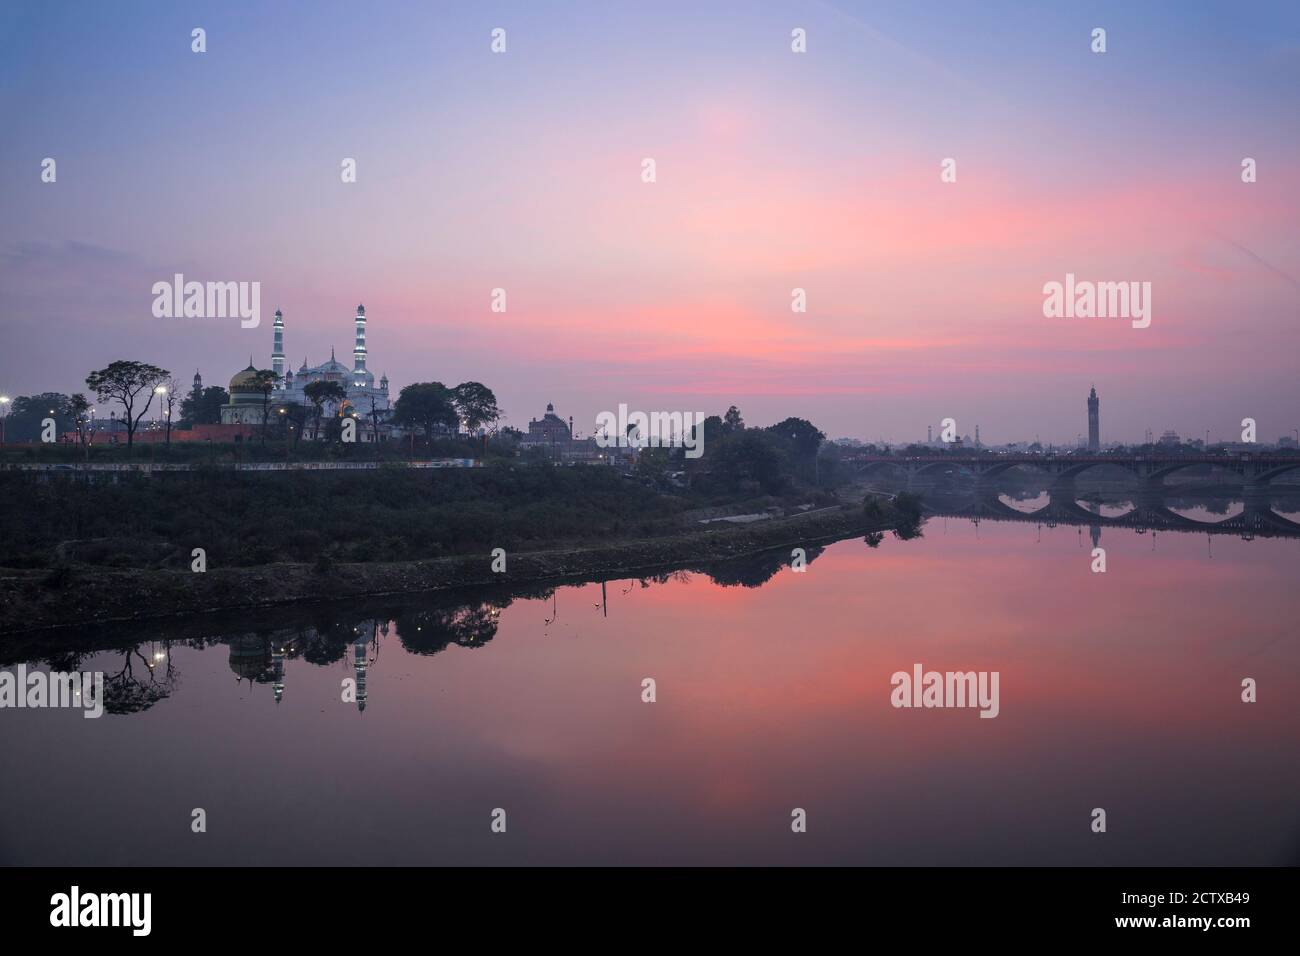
(1118, 690)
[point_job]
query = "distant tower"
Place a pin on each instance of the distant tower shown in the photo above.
(277, 354)
(1094, 421)
(277, 670)
(359, 350)
(198, 382)
(929, 434)
(359, 662)
(977, 436)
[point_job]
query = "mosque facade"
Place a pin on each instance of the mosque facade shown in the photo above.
(362, 394)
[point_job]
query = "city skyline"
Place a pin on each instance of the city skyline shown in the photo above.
(775, 172)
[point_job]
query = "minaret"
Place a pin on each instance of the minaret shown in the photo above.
(977, 436)
(1094, 421)
(277, 354)
(359, 350)
(277, 670)
(359, 662)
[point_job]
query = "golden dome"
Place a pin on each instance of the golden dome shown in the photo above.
(243, 381)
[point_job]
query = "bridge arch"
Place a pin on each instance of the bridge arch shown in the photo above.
(957, 466)
(1072, 471)
(1160, 473)
(1002, 467)
(879, 465)
(1269, 474)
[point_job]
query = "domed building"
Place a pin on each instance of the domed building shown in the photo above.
(554, 437)
(549, 429)
(249, 657)
(245, 405)
(363, 396)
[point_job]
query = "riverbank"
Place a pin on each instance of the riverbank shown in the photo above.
(77, 595)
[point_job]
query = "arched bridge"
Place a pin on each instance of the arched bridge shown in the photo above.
(1256, 470)
(1148, 514)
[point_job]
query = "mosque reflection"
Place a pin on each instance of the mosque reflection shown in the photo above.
(261, 654)
(265, 647)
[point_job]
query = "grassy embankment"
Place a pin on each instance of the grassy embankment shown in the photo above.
(76, 551)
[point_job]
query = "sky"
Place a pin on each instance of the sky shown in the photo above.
(775, 170)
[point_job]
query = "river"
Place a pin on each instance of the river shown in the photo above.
(411, 732)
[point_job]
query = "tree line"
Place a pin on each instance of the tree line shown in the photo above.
(740, 459)
(429, 407)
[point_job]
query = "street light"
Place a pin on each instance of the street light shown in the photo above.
(161, 391)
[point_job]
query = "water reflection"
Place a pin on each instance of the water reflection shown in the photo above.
(385, 731)
(1157, 509)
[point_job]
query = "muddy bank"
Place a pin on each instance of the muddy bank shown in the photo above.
(80, 595)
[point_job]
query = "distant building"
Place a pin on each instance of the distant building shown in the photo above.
(550, 429)
(1094, 421)
(245, 405)
(552, 435)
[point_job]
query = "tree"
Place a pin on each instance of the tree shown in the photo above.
(23, 422)
(732, 422)
(320, 394)
(802, 435)
(123, 382)
(375, 414)
(293, 416)
(749, 456)
(652, 465)
(265, 380)
(708, 437)
(78, 407)
(204, 407)
(426, 405)
(170, 396)
(475, 404)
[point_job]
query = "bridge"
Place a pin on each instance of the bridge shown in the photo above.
(1257, 471)
(1149, 513)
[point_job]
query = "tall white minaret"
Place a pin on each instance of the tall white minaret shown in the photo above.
(277, 354)
(359, 350)
(360, 662)
(277, 669)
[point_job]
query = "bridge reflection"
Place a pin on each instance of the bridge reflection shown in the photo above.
(1150, 512)
(1257, 471)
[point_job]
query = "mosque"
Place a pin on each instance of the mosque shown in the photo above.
(260, 658)
(245, 405)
